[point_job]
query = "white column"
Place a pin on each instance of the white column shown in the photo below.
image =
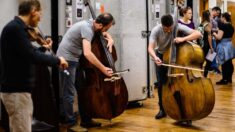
(212, 3)
(225, 5)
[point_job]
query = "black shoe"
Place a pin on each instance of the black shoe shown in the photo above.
(222, 82)
(160, 114)
(40, 126)
(91, 123)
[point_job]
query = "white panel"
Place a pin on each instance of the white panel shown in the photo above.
(134, 49)
(212, 3)
(8, 9)
(61, 16)
(45, 24)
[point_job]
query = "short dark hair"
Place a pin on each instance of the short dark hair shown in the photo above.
(105, 19)
(227, 16)
(167, 20)
(217, 9)
(26, 6)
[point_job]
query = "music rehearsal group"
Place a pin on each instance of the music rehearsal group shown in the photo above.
(85, 59)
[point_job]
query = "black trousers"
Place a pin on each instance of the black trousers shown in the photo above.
(161, 74)
(227, 70)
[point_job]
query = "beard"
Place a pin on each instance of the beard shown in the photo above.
(34, 21)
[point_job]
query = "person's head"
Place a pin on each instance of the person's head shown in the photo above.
(206, 16)
(167, 23)
(186, 12)
(216, 12)
(32, 10)
(226, 17)
(103, 22)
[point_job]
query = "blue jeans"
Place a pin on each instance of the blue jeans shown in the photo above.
(67, 92)
(214, 64)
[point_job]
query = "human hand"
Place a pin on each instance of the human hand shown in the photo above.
(107, 71)
(48, 43)
(158, 61)
(63, 63)
(212, 50)
(110, 44)
(179, 39)
(110, 41)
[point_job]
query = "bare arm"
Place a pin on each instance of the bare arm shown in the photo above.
(208, 30)
(109, 38)
(152, 53)
(218, 35)
(192, 36)
(93, 59)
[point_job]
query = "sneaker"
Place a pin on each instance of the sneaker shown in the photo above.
(90, 123)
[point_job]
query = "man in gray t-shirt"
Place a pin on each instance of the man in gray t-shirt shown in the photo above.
(161, 38)
(77, 41)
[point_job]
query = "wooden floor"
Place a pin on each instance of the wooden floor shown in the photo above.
(141, 119)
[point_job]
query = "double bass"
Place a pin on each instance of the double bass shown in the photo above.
(187, 95)
(99, 96)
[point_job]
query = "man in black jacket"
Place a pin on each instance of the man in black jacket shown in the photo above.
(18, 58)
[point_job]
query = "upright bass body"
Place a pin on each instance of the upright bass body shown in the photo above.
(99, 98)
(188, 95)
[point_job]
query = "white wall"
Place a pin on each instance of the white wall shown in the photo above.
(45, 24)
(8, 9)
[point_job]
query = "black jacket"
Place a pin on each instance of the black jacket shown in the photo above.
(19, 57)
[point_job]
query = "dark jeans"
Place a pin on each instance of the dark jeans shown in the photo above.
(161, 74)
(207, 68)
(208, 63)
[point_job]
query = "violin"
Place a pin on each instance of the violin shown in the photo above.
(36, 35)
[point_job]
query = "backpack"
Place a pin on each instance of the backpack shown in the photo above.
(201, 29)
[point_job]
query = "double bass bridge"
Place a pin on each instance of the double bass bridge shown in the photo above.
(112, 79)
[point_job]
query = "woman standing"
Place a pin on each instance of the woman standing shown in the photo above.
(186, 14)
(225, 49)
(207, 38)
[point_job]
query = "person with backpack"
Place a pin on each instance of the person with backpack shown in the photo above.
(206, 27)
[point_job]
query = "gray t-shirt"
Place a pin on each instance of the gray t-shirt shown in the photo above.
(71, 45)
(164, 39)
